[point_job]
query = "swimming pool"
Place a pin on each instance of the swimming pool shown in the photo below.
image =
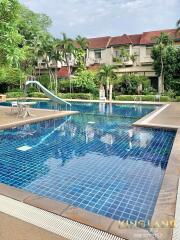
(89, 160)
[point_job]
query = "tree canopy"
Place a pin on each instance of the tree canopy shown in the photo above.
(10, 51)
(23, 34)
(165, 57)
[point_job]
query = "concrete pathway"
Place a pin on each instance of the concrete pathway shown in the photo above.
(14, 229)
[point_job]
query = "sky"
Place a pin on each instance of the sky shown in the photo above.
(94, 18)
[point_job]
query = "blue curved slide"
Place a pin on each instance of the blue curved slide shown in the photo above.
(47, 92)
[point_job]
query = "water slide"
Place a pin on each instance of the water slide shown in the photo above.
(47, 92)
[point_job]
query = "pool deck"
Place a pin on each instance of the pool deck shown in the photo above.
(9, 119)
(21, 230)
(168, 117)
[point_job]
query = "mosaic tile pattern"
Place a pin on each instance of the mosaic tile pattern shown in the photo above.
(89, 161)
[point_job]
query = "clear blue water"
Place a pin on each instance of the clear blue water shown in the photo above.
(88, 160)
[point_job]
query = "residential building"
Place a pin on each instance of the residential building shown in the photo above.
(138, 45)
(106, 50)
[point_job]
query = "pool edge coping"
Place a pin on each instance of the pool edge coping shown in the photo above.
(145, 121)
(24, 121)
(94, 101)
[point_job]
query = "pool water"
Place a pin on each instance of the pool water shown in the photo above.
(89, 159)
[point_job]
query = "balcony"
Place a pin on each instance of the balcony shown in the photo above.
(146, 60)
(127, 62)
(91, 61)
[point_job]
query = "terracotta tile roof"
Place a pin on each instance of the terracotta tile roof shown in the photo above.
(63, 72)
(144, 38)
(135, 38)
(149, 37)
(120, 40)
(101, 42)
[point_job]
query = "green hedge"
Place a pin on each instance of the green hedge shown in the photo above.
(15, 94)
(165, 99)
(85, 96)
(142, 97)
(177, 99)
(36, 94)
(89, 96)
(124, 98)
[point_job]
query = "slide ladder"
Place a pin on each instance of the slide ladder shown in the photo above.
(48, 93)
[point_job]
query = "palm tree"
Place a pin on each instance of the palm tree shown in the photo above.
(46, 52)
(83, 44)
(106, 75)
(67, 48)
(161, 43)
(56, 56)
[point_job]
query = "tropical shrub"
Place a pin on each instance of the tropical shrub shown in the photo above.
(44, 80)
(11, 76)
(129, 83)
(174, 85)
(85, 81)
(149, 91)
(170, 93)
(64, 85)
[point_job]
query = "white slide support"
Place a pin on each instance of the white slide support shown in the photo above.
(47, 92)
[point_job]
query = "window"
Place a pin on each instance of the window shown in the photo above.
(121, 54)
(116, 53)
(136, 51)
(148, 51)
(97, 54)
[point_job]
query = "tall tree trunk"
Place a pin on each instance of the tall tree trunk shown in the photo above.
(107, 88)
(110, 92)
(69, 73)
(39, 71)
(52, 78)
(56, 80)
(162, 75)
(49, 71)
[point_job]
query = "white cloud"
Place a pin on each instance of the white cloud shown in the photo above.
(107, 17)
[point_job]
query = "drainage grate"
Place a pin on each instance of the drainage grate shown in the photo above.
(61, 226)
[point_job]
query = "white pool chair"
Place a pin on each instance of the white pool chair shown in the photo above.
(14, 106)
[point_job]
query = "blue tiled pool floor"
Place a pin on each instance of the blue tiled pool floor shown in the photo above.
(89, 161)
